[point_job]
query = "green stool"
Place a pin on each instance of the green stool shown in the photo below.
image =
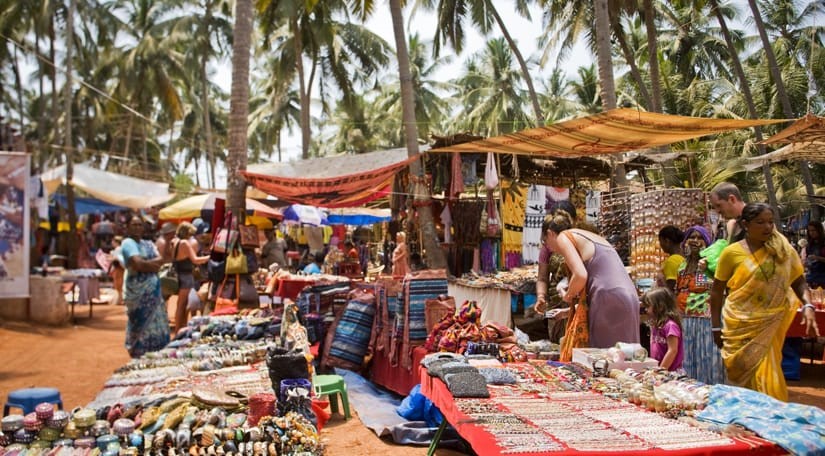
(332, 385)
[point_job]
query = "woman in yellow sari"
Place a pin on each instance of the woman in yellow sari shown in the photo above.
(764, 279)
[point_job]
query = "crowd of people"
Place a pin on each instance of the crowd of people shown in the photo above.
(721, 308)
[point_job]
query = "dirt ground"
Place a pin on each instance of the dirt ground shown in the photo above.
(77, 359)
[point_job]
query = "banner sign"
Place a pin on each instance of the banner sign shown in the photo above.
(14, 225)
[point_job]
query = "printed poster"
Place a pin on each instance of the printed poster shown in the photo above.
(14, 225)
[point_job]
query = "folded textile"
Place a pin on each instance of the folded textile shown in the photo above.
(434, 368)
(467, 384)
(455, 367)
(498, 375)
(440, 355)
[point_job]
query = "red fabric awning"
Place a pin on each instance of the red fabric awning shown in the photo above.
(343, 181)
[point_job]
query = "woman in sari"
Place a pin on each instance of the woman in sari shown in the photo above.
(764, 279)
(147, 328)
(702, 358)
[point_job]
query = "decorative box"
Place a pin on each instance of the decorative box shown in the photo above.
(12, 423)
(588, 357)
(44, 411)
(84, 418)
(59, 420)
(31, 423)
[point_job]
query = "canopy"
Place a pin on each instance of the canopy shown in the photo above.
(614, 131)
(805, 140)
(112, 188)
(299, 213)
(87, 205)
(358, 216)
(339, 181)
(203, 205)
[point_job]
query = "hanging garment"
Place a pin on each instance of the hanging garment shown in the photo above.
(456, 177)
(513, 203)
(556, 194)
(533, 219)
(447, 220)
(592, 205)
(468, 170)
(490, 173)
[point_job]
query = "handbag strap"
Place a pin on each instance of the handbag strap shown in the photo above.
(220, 287)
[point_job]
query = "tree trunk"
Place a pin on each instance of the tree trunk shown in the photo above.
(239, 110)
(782, 94)
(434, 253)
(170, 151)
(18, 85)
(607, 85)
(534, 99)
(649, 10)
(129, 123)
(303, 90)
(207, 121)
(631, 62)
(746, 92)
(67, 141)
(42, 154)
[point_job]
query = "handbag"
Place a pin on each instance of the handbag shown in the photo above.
(283, 363)
(216, 270)
(236, 262)
(248, 293)
(493, 222)
(249, 236)
(169, 284)
(224, 238)
(226, 306)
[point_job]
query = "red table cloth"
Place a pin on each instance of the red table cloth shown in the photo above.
(484, 443)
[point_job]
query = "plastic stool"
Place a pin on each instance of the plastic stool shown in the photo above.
(27, 399)
(332, 385)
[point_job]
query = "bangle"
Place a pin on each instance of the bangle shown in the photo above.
(809, 306)
(715, 329)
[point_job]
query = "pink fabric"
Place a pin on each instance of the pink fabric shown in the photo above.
(456, 179)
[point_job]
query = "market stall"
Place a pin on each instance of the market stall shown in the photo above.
(540, 416)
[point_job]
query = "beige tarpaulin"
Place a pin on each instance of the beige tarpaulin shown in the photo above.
(112, 188)
(805, 140)
(615, 131)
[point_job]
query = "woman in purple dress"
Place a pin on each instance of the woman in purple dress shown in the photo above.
(596, 269)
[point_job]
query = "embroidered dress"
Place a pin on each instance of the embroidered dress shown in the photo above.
(512, 215)
(703, 360)
(147, 328)
(758, 310)
(533, 218)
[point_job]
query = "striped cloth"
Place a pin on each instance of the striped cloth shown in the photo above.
(418, 288)
(353, 334)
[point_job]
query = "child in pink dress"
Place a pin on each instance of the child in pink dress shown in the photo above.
(666, 344)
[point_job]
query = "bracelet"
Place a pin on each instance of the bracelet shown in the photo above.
(715, 329)
(809, 306)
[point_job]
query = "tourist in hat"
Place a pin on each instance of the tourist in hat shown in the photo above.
(164, 241)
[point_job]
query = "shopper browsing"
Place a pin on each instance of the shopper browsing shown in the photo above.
(666, 345)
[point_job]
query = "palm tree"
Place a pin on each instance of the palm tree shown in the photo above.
(491, 92)
(239, 110)
(435, 256)
(782, 94)
(68, 144)
(150, 64)
(482, 13)
(345, 52)
(746, 93)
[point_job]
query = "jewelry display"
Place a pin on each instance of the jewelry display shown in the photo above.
(649, 213)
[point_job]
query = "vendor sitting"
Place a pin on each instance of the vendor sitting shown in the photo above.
(316, 260)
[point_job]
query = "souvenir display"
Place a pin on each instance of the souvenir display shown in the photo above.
(614, 220)
(649, 213)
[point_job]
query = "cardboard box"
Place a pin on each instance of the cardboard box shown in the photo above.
(587, 356)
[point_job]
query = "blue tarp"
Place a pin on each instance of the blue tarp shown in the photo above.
(356, 219)
(86, 205)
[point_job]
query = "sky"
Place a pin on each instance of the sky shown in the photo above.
(524, 32)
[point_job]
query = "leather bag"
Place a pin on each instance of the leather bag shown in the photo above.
(236, 262)
(249, 236)
(226, 306)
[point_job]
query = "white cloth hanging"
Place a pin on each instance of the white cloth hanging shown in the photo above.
(593, 203)
(533, 219)
(447, 221)
(490, 172)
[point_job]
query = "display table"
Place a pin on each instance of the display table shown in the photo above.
(587, 423)
(396, 378)
(797, 329)
(494, 302)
